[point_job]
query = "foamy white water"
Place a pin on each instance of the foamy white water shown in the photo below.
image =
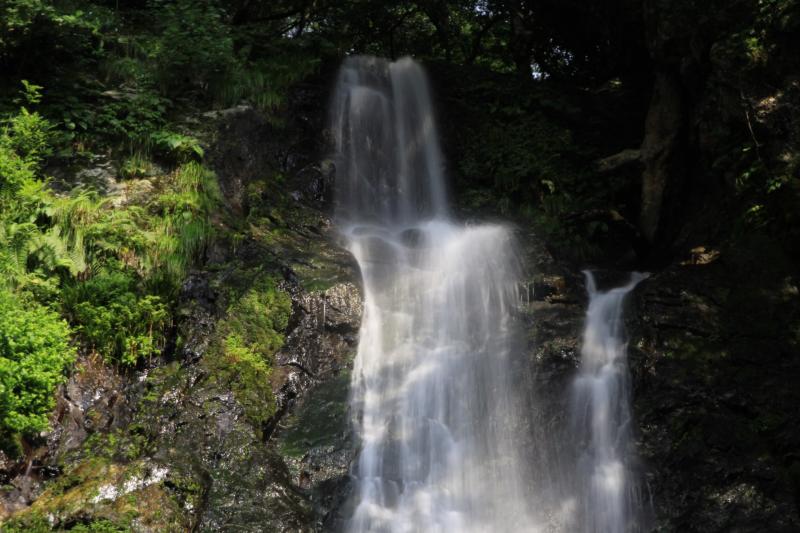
(607, 489)
(435, 392)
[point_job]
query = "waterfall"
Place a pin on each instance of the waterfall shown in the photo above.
(607, 492)
(436, 377)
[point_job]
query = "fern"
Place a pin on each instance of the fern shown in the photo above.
(180, 147)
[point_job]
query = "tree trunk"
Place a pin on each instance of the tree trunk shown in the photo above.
(661, 152)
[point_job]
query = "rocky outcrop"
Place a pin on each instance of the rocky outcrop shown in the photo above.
(92, 400)
(715, 369)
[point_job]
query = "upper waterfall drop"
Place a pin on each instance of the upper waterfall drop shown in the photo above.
(389, 167)
(437, 378)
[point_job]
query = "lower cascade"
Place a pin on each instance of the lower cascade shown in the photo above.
(607, 489)
(433, 386)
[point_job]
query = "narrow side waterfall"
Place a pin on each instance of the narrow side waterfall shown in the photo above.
(607, 488)
(434, 380)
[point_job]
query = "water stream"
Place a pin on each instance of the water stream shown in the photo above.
(433, 383)
(607, 488)
(439, 392)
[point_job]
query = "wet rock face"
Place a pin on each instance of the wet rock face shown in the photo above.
(715, 374)
(323, 341)
(270, 478)
(93, 399)
(249, 147)
(199, 311)
(713, 358)
(311, 430)
(175, 444)
(237, 162)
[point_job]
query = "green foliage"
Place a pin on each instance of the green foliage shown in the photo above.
(36, 522)
(195, 48)
(24, 244)
(265, 83)
(131, 119)
(34, 353)
(248, 374)
(137, 165)
(180, 147)
(248, 339)
(25, 22)
(524, 153)
(28, 134)
(260, 316)
(124, 120)
(117, 73)
(97, 260)
(183, 230)
(15, 174)
(115, 318)
(521, 158)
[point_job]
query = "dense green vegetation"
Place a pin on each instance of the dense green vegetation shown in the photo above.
(34, 352)
(111, 270)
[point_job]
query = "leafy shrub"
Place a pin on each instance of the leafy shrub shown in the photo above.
(520, 156)
(34, 352)
(114, 318)
(120, 120)
(28, 134)
(15, 172)
(25, 133)
(195, 48)
(180, 147)
(24, 142)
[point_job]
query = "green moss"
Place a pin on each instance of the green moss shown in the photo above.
(73, 499)
(71, 494)
(295, 234)
(259, 317)
(33, 523)
(121, 445)
(247, 373)
(99, 526)
(160, 381)
(242, 355)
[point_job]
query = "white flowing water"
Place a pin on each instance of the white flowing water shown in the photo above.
(434, 380)
(607, 489)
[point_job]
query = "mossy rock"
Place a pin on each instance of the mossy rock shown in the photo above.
(98, 495)
(321, 421)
